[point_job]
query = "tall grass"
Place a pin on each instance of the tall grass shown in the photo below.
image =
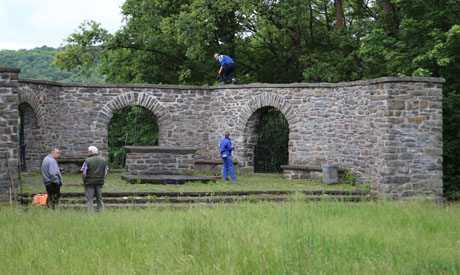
(265, 238)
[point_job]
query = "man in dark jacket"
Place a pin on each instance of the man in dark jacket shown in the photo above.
(52, 177)
(226, 154)
(94, 170)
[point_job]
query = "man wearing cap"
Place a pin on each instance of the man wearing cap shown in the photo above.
(227, 67)
(94, 170)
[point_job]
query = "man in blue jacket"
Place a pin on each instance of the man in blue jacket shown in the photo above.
(227, 67)
(226, 154)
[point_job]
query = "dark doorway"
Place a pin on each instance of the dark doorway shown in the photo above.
(271, 150)
(22, 141)
(130, 126)
(29, 138)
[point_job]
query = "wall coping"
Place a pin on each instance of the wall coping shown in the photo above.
(231, 86)
(71, 160)
(307, 168)
(9, 70)
(160, 149)
(212, 162)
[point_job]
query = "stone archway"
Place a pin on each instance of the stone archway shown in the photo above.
(31, 115)
(35, 105)
(145, 100)
(29, 138)
(250, 117)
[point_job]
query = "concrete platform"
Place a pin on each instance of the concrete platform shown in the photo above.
(165, 179)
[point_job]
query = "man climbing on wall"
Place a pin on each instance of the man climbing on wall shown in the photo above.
(227, 67)
(226, 154)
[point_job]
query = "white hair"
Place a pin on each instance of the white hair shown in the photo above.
(93, 149)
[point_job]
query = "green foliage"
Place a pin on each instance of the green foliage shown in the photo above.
(349, 178)
(37, 64)
(132, 125)
(81, 50)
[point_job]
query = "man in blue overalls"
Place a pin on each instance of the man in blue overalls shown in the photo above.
(227, 67)
(226, 154)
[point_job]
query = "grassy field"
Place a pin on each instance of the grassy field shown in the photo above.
(32, 183)
(264, 238)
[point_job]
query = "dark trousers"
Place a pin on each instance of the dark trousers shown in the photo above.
(54, 194)
(90, 192)
(227, 71)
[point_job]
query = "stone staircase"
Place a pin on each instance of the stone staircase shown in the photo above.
(146, 199)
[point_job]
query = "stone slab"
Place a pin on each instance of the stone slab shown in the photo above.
(165, 179)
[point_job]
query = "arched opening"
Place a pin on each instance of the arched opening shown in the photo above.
(29, 138)
(130, 126)
(271, 150)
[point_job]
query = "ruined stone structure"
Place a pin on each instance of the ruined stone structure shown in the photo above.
(386, 131)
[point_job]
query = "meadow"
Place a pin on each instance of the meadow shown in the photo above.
(417, 237)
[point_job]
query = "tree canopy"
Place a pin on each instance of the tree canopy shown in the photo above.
(173, 42)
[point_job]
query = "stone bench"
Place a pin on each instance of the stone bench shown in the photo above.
(294, 172)
(71, 164)
(160, 160)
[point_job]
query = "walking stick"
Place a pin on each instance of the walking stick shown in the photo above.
(20, 178)
(11, 177)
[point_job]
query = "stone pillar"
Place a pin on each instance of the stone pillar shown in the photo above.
(9, 152)
(410, 146)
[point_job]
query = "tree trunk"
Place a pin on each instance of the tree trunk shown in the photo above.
(341, 26)
(387, 16)
(311, 20)
(339, 14)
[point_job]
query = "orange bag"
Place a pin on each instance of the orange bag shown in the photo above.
(40, 199)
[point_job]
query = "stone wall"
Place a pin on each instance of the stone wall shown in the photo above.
(386, 131)
(156, 160)
(9, 152)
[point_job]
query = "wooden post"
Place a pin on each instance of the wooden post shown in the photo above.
(11, 177)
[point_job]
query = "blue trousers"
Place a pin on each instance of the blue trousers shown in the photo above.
(228, 167)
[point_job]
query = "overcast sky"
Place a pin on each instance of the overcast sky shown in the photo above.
(27, 24)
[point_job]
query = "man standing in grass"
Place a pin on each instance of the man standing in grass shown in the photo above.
(52, 178)
(226, 154)
(94, 170)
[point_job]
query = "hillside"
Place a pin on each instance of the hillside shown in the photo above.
(36, 64)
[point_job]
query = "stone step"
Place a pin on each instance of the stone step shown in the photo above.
(166, 179)
(208, 193)
(215, 199)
